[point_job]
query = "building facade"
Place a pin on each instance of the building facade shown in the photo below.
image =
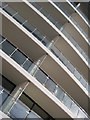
(44, 60)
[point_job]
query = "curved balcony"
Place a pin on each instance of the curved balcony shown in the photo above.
(79, 12)
(19, 109)
(35, 70)
(61, 28)
(45, 42)
(74, 21)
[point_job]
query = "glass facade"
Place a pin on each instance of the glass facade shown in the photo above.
(48, 83)
(24, 107)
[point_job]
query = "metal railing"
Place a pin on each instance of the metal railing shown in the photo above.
(72, 19)
(18, 109)
(61, 28)
(35, 70)
(84, 16)
(45, 41)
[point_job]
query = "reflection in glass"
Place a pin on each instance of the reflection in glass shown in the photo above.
(7, 47)
(19, 57)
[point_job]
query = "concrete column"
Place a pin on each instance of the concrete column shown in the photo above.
(15, 95)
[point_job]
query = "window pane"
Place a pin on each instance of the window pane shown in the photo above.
(29, 27)
(50, 85)
(77, 74)
(9, 10)
(81, 114)
(36, 5)
(55, 51)
(7, 47)
(58, 25)
(67, 101)
(19, 57)
(70, 67)
(3, 96)
(32, 114)
(40, 76)
(1, 38)
(4, 4)
(59, 93)
(19, 18)
(19, 110)
(40, 112)
(84, 55)
(83, 81)
(7, 85)
(44, 12)
(78, 47)
(38, 35)
(45, 41)
(27, 64)
(52, 19)
(26, 100)
(74, 108)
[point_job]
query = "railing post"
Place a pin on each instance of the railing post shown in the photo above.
(37, 65)
(15, 95)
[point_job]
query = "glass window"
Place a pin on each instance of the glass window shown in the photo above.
(4, 4)
(52, 19)
(84, 55)
(74, 109)
(45, 41)
(83, 81)
(6, 83)
(3, 96)
(81, 114)
(77, 74)
(44, 12)
(63, 59)
(67, 101)
(40, 112)
(50, 85)
(59, 93)
(53, 51)
(58, 25)
(19, 18)
(56, 52)
(36, 5)
(27, 64)
(78, 47)
(29, 27)
(7, 47)
(40, 76)
(38, 35)
(19, 57)
(70, 67)
(32, 114)
(19, 110)
(26, 100)
(9, 10)
(1, 38)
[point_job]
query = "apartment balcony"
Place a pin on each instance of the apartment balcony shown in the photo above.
(73, 61)
(72, 41)
(42, 52)
(80, 13)
(24, 107)
(45, 63)
(41, 76)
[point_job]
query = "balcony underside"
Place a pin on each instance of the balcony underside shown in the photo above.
(33, 90)
(21, 40)
(51, 34)
(42, 24)
(60, 17)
